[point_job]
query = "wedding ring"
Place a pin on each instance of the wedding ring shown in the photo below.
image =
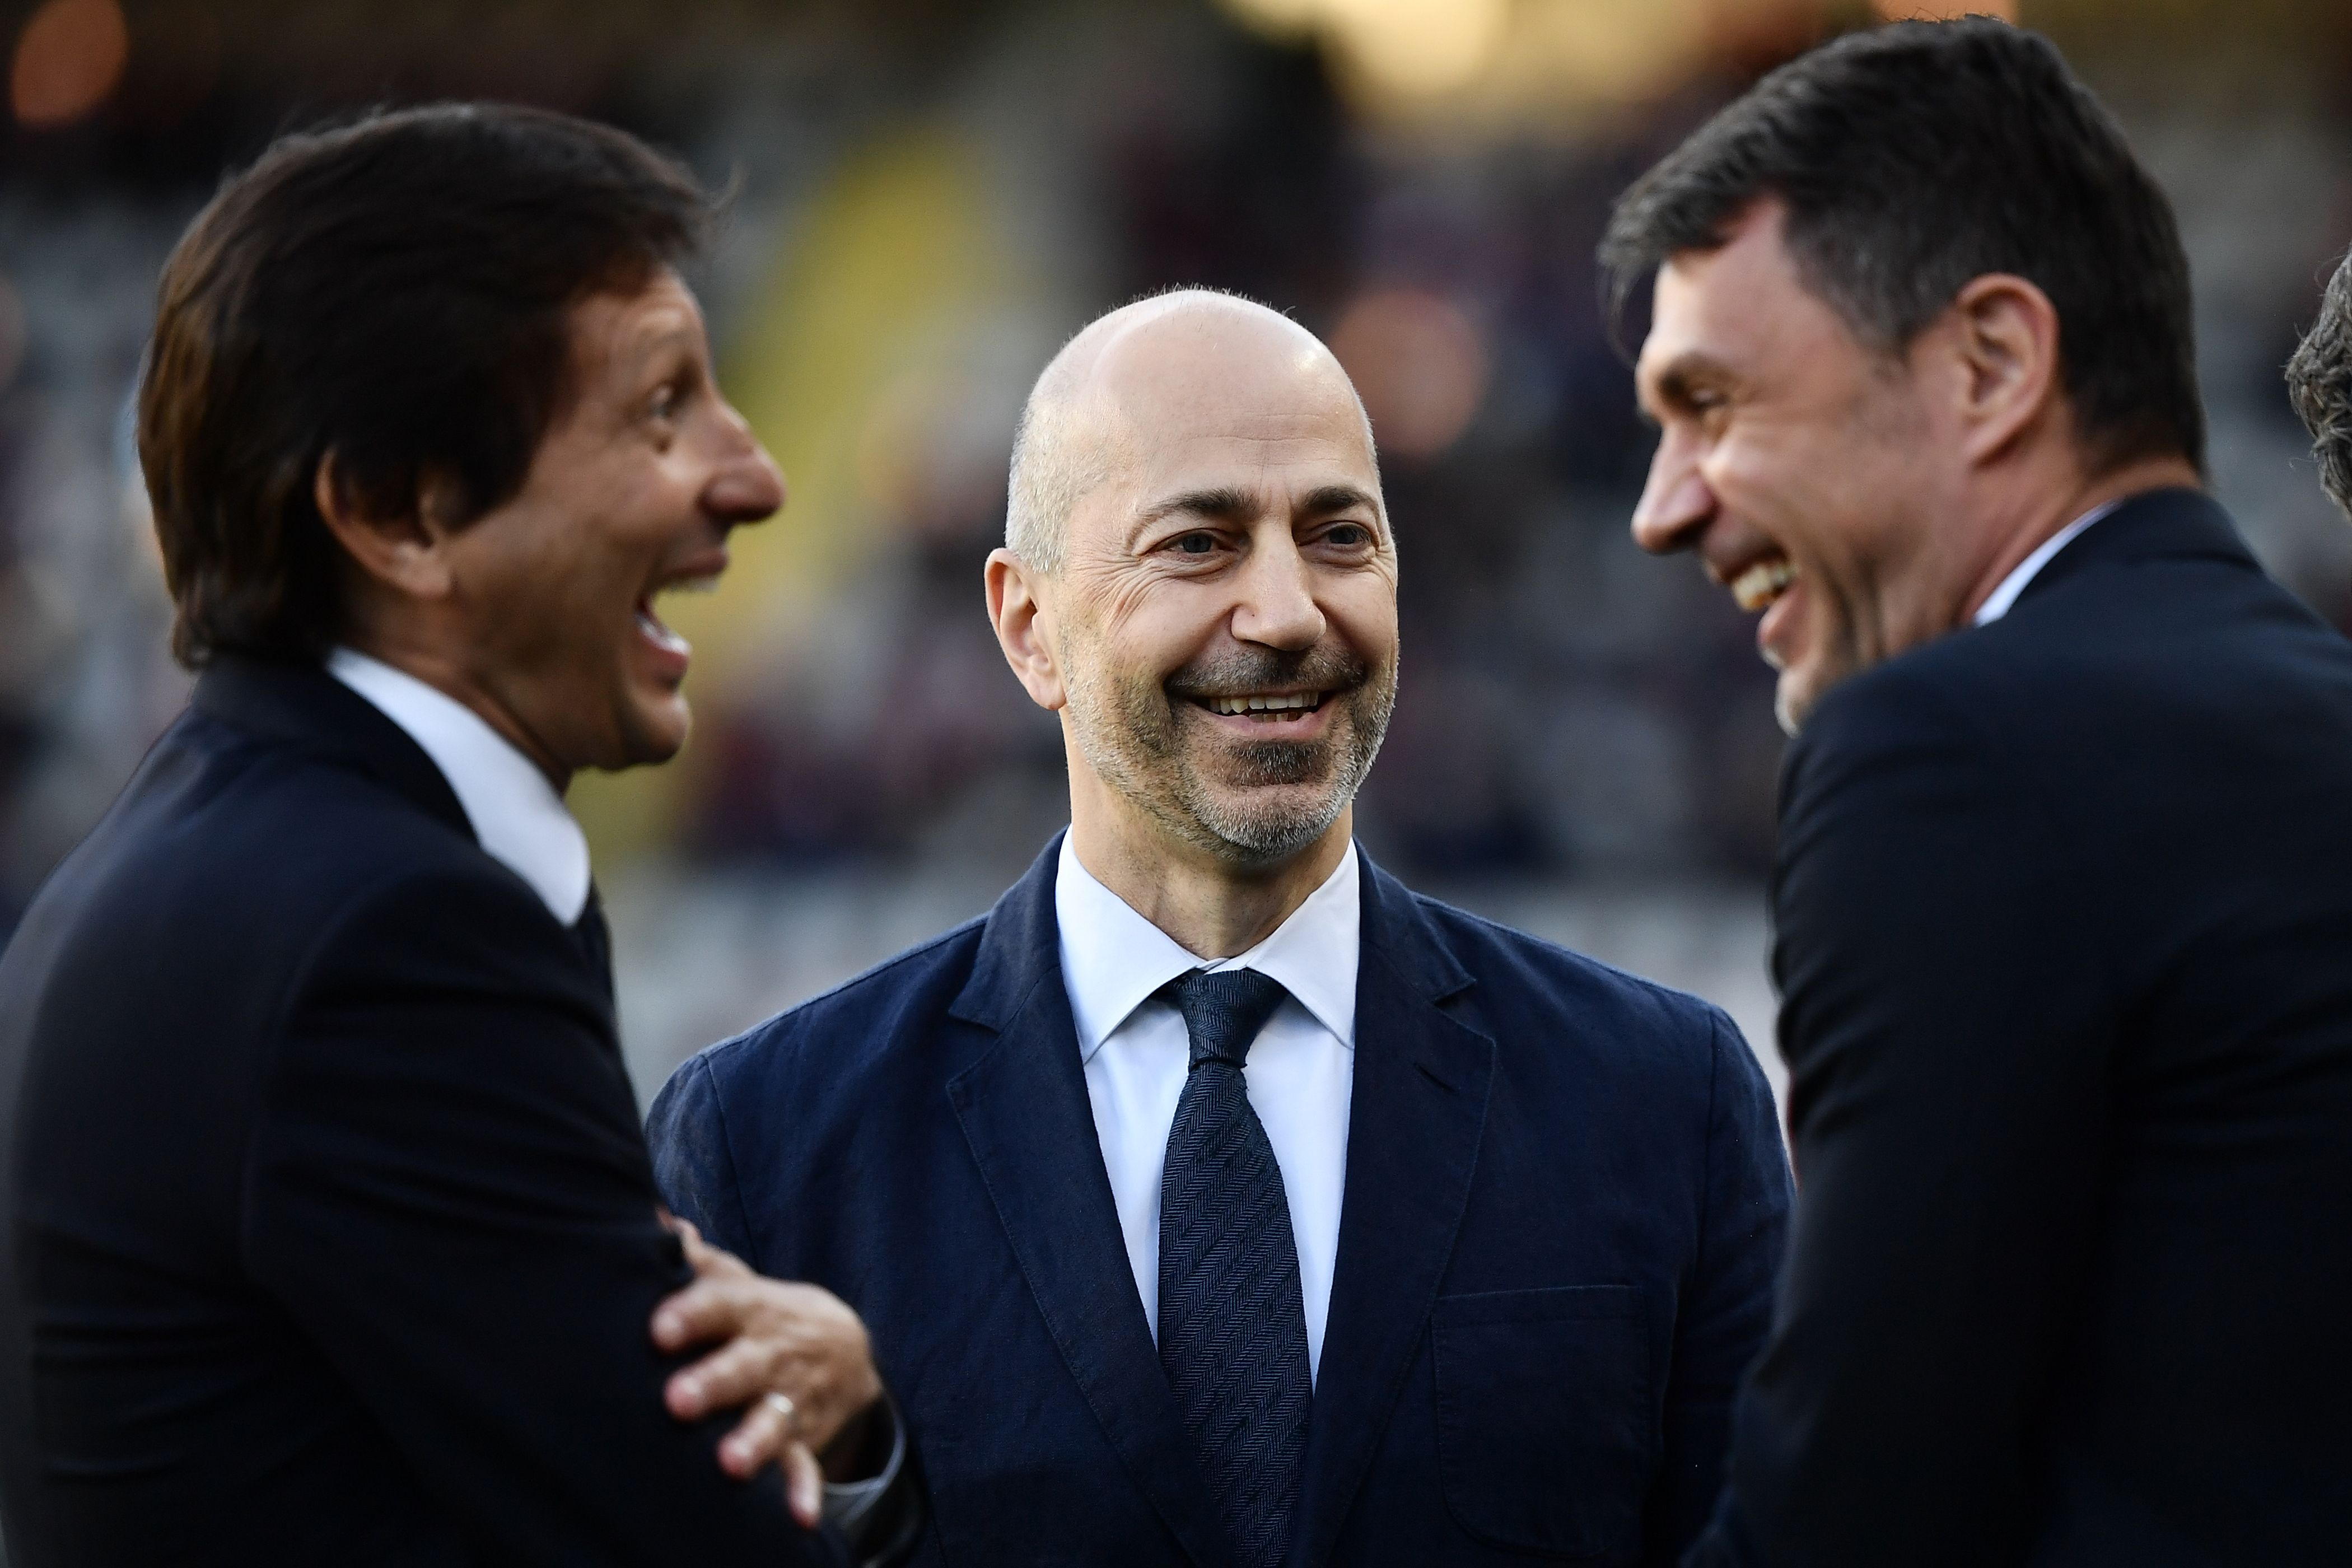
(782, 1403)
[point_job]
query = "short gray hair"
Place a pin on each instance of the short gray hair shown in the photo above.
(1056, 462)
(2320, 381)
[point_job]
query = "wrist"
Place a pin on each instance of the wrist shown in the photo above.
(861, 1448)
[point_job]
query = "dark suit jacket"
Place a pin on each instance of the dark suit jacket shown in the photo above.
(1563, 1208)
(2065, 916)
(330, 1230)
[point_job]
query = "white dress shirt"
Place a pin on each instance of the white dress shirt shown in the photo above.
(517, 818)
(1301, 1072)
(1997, 606)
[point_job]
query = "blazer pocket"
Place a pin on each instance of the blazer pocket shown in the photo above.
(1545, 1425)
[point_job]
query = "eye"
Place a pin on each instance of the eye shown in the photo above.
(1348, 536)
(1194, 544)
(663, 404)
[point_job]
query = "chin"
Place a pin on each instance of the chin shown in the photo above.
(1801, 688)
(1268, 825)
(656, 731)
(1788, 711)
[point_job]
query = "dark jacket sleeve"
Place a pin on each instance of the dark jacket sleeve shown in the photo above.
(1945, 1026)
(448, 1193)
(1727, 1305)
(693, 1165)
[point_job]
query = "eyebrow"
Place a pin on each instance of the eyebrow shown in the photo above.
(1339, 498)
(1673, 386)
(661, 340)
(1224, 504)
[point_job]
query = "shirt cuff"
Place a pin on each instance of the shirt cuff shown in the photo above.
(850, 1505)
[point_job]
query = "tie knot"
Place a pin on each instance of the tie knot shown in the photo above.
(1224, 1010)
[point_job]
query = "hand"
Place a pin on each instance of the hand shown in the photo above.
(775, 1337)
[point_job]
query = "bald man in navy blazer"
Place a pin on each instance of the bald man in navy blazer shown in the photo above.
(1215, 1199)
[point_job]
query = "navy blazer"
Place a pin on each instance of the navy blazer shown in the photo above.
(1564, 1201)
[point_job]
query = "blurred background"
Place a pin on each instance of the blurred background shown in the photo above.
(931, 195)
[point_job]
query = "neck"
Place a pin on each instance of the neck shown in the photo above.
(2037, 520)
(1209, 907)
(450, 678)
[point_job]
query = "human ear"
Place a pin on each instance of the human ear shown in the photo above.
(1022, 620)
(404, 551)
(2007, 341)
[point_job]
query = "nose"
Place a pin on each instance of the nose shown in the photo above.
(1676, 501)
(745, 484)
(1277, 606)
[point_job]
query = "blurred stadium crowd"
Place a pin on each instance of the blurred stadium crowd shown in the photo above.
(931, 196)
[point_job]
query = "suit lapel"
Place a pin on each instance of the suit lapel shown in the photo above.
(1024, 1110)
(1419, 1109)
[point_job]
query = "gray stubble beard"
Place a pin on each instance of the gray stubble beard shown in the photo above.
(1132, 737)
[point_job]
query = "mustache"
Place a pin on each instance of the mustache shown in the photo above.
(1237, 672)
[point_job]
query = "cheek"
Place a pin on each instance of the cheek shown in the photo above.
(1362, 612)
(1152, 627)
(1766, 470)
(1812, 491)
(515, 569)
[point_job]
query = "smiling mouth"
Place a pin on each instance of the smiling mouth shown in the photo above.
(1276, 708)
(1761, 585)
(650, 625)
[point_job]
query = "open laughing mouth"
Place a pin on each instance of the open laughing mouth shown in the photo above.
(1269, 708)
(1761, 585)
(650, 625)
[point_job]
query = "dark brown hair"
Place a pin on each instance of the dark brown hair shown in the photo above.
(1916, 157)
(396, 291)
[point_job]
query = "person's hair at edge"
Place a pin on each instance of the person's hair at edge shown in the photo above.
(396, 291)
(1917, 156)
(2319, 380)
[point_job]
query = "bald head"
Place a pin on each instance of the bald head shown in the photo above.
(1200, 580)
(1192, 357)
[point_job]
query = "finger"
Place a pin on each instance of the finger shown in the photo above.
(737, 1372)
(706, 1259)
(804, 1485)
(712, 1308)
(759, 1438)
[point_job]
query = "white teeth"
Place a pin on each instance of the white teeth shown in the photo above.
(1235, 705)
(661, 636)
(1763, 583)
(649, 625)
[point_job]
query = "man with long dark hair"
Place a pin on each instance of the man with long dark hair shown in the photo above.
(331, 1231)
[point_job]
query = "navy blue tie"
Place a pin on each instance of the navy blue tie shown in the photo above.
(1232, 1322)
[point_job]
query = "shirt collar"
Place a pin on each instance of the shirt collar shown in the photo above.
(1113, 959)
(2016, 583)
(517, 818)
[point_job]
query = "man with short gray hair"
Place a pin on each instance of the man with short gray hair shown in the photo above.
(1215, 1199)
